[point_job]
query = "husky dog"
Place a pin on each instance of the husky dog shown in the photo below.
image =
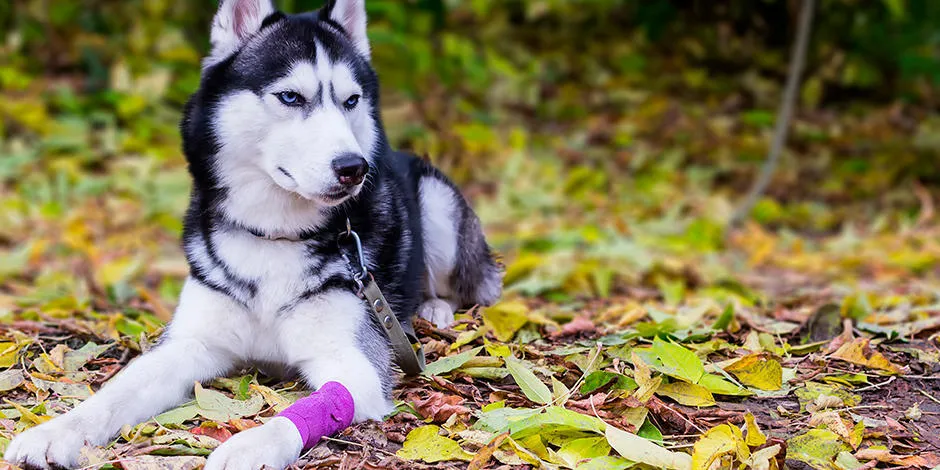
(285, 143)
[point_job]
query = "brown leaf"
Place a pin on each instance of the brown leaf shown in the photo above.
(578, 325)
(439, 407)
(485, 453)
(213, 430)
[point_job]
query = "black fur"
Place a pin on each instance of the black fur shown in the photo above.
(385, 214)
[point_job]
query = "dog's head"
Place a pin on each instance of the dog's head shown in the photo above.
(287, 103)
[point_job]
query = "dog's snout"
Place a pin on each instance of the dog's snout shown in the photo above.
(350, 168)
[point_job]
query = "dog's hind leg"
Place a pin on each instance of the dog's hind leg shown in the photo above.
(460, 269)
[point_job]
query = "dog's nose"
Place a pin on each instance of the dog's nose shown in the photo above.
(350, 168)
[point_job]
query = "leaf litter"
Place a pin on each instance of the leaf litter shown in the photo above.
(634, 332)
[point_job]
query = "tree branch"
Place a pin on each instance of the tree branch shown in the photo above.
(784, 115)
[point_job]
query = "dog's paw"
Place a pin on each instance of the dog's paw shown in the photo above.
(273, 445)
(437, 311)
(55, 444)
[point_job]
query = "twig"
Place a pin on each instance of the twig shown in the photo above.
(931, 397)
(785, 113)
(351, 443)
(875, 386)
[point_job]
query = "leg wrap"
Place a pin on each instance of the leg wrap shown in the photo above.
(323, 413)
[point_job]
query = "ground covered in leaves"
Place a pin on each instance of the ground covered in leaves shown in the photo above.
(637, 329)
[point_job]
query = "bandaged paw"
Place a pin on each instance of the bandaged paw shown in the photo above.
(324, 413)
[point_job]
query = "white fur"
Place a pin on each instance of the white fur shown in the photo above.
(261, 135)
(209, 334)
(351, 15)
(275, 444)
(234, 23)
(439, 226)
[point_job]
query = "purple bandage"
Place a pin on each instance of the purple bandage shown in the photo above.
(323, 413)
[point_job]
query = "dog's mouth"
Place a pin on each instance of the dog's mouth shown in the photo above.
(335, 196)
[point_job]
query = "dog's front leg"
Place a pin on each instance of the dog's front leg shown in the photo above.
(149, 385)
(329, 339)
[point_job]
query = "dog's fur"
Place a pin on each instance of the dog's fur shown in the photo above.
(268, 283)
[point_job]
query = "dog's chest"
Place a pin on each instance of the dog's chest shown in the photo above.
(280, 271)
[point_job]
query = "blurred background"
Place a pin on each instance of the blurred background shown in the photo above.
(604, 143)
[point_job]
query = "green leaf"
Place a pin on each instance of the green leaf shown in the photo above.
(717, 384)
(649, 431)
(75, 360)
(678, 361)
(555, 420)
(218, 407)
(533, 388)
(177, 415)
(724, 319)
(598, 379)
(497, 419)
(638, 449)
(610, 462)
(449, 363)
(425, 443)
(578, 450)
(817, 447)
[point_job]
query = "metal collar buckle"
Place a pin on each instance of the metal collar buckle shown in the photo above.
(407, 349)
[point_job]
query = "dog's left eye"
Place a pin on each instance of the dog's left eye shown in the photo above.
(290, 98)
(351, 102)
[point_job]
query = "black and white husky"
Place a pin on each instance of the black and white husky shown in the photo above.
(285, 142)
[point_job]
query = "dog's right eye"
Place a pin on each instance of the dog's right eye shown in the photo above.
(290, 98)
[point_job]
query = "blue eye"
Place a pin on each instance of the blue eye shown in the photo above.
(290, 98)
(351, 102)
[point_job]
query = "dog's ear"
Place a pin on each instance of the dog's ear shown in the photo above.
(351, 16)
(235, 22)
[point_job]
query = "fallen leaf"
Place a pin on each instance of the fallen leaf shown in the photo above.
(533, 388)
(687, 394)
(10, 379)
(753, 435)
(438, 407)
(506, 318)
(218, 407)
(449, 363)
(859, 351)
(580, 324)
(717, 442)
(759, 371)
(817, 447)
(678, 361)
(637, 449)
(152, 462)
(425, 443)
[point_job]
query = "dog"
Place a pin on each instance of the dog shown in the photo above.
(287, 151)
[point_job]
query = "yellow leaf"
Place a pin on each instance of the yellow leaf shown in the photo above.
(687, 394)
(8, 354)
(643, 377)
(755, 438)
(763, 459)
(759, 371)
(506, 318)
(716, 443)
(26, 415)
(859, 351)
(425, 443)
